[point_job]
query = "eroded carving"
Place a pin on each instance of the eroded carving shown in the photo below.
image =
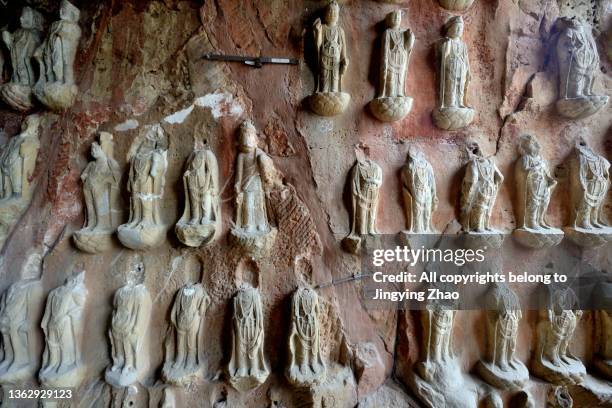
(183, 362)
(332, 62)
(56, 87)
(306, 366)
(500, 367)
(21, 45)
(578, 62)
(202, 215)
(247, 368)
(453, 71)
(101, 194)
(603, 329)
(456, 5)
(391, 103)
(419, 190)
(62, 325)
(128, 331)
(534, 188)
(589, 183)
(148, 165)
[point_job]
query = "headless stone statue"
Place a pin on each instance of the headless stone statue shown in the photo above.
(603, 328)
(456, 5)
(21, 45)
(391, 103)
(128, 331)
(332, 62)
(452, 112)
(500, 367)
(18, 361)
(589, 183)
(247, 368)
(148, 165)
(553, 360)
(56, 87)
(202, 215)
(62, 325)
(306, 366)
(255, 173)
(101, 195)
(419, 190)
(183, 359)
(578, 62)
(534, 189)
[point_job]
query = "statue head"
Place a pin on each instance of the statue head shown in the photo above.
(332, 12)
(248, 136)
(31, 19)
(32, 267)
(454, 27)
(414, 154)
(529, 145)
(155, 137)
(473, 149)
(31, 124)
(68, 12)
(394, 19)
(96, 151)
(77, 278)
(135, 274)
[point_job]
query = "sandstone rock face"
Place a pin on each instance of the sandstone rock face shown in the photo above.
(138, 65)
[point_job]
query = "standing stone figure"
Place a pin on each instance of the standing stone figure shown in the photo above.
(500, 367)
(534, 188)
(101, 194)
(419, 188)
(589, 183)
(553, 360)
(202, 215)
(21, 45)
(578, 62)
(56, 86)
(478, 193)
(391, 103)
(306, 365)
(62, 325)
(128, 331)
(255, 174)
(332, 62)
(603, 328)
(247, 368)
(147, 177)
(17, 303)
(453, 72)
(187, 315)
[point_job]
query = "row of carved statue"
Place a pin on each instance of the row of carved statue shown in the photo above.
(438, 370)
(577, 59)
(42, 67)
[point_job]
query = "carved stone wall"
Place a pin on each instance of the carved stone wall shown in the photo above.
(140, 63)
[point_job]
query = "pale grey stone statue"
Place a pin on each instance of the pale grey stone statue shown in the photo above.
(332, 62)
(62, 325)
(148, 165)
(589, 184)
(129, 330)
(21, 46)
(101, 180)
(419, 191)
(306, 366)
(456, 5)
(534, 188)
(201, 218)
(391, 103)
(603, 329)
(17, 358)
(552, 359)
(248, 367)
(453, 76)
(255, 174)
(183, 360)
(56, 87)
(500, 367)
(578, 62)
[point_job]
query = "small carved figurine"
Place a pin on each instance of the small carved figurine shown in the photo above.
(419, 188)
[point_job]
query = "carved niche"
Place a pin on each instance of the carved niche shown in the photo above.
(248, 367)
(578, 62)
(148, 165)
(391, 103)
(101, 180)
(419, 191)
(201, 217)
(453, 76)
(128, 331)
(603, 328)
(56, 87)
(62, 325)
(21, 46)
(331, 64)
(534, 189)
